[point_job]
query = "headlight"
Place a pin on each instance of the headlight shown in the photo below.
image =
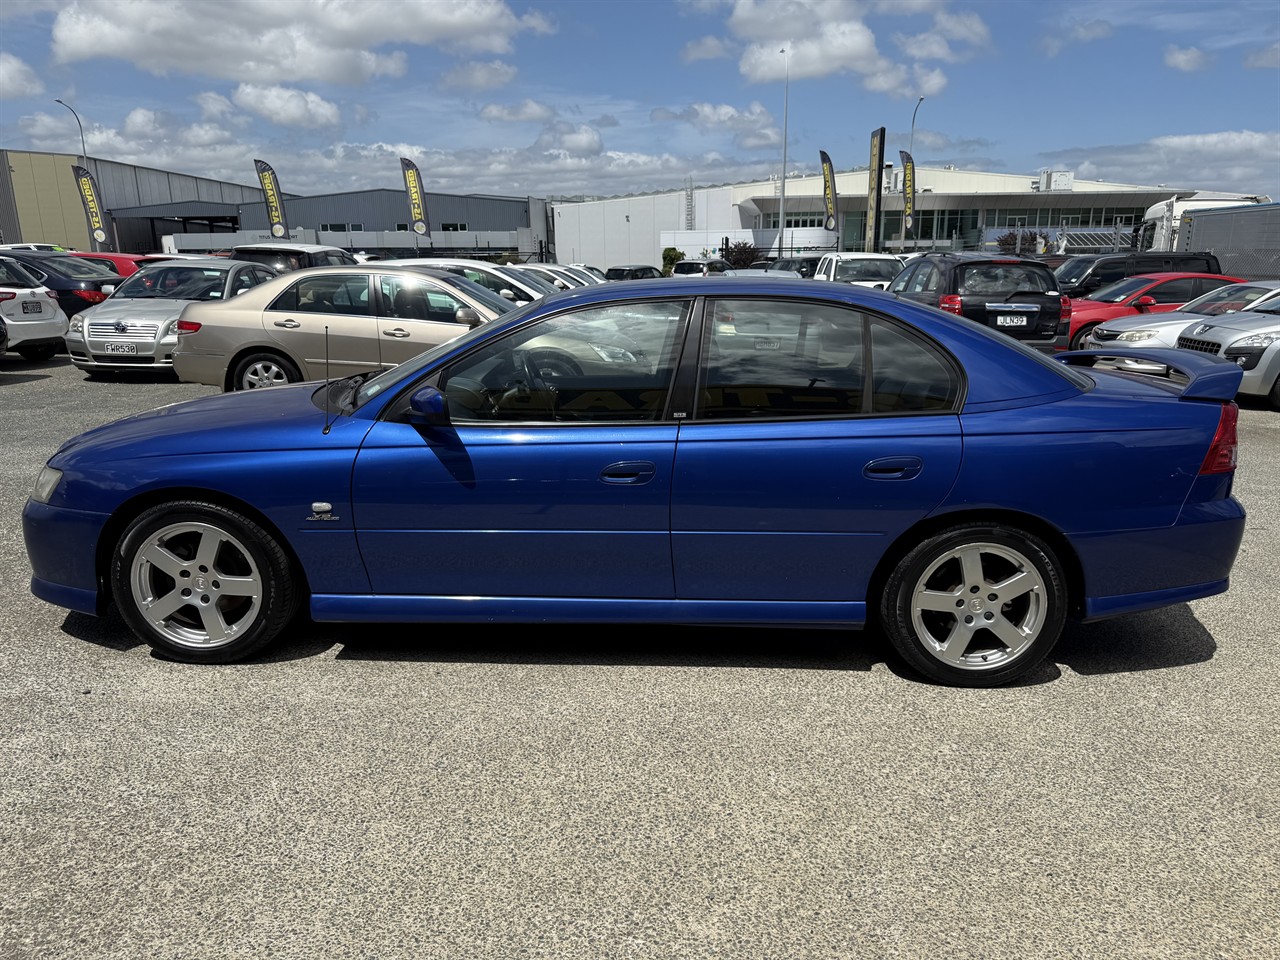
(1132, 336)
(46, 483)
(613, 354)
(77, 324)
(1263, 340)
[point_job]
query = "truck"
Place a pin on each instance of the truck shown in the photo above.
(1246, 239)
(1162, 223)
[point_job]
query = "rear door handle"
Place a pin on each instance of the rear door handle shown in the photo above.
(399, 333)
(290, 324)
(629, 471)
(893, 468)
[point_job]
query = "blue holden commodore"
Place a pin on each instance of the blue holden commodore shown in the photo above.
(696, 451)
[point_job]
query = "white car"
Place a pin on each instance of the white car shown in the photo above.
(33, 320)
(1146, 330)
(875, 270)
(507, 282)
(1248, 338)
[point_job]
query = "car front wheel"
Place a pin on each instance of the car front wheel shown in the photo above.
(976, 605)
(202, 583)
(264, 370)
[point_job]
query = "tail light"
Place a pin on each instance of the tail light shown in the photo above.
(6, 295)
(186, 326)
(1066, 308)
(92, 296)
(951, 303)
(1224, 450)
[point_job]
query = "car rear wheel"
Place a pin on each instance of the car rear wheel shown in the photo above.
(976, 605)
(202, 583)
(264, 370)
(1077, 342)
(38, 351)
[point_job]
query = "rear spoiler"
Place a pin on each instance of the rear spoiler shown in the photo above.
(1210, 378)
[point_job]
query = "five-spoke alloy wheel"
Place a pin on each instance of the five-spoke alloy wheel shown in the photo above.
(976, 605)
(201, 582)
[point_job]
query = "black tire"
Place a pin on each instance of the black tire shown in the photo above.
(38, 351)
(1077, 342)
(1274, 395)
(951, 612)
(264, 369)
(202, 583)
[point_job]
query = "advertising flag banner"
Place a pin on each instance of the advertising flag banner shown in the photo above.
(828, 190)
(908, 192)
(875, 173)
(271, 196)
(88, 188)
(418, 222)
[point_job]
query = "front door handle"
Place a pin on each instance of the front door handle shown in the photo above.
(629, 471)
(893, 468)
(289, 324)
(398, 333)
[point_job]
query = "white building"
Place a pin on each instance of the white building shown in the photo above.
(954, 208)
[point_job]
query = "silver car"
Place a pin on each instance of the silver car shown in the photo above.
(1147, 330)
(327, 321)
(1251, 339)
(133, 329)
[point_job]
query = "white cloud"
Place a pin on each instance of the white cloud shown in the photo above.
(17, 79)
(524, 112)
(334, 41)
(1186, 59)
(142, 122)
(1077, 31)
(708, 48)
(284, 105)
(1266, 58)
(480, 76)
(213, 105)
(752, 128)
(571, 140)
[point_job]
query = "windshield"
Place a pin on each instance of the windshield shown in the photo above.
(1073, 269)
(390, 379)
(13, 276)
(1120, 290)
(1228, 299)
(77, 267)
(867, 269)
(526, 278)
(173, 283)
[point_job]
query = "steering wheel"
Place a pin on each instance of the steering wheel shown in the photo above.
(532, 375)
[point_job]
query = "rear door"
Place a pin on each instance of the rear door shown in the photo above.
(1018, 298)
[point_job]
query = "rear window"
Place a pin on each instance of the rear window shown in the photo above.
(985, 279)
(1074, 269)
(12, 275)
(78, 267)
(687, 266)
(854, 270)
(279, 260)
(617, 273)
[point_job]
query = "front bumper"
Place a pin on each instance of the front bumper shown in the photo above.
(94, 353)
(62, 547)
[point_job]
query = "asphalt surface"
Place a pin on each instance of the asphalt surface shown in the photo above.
(451, 792)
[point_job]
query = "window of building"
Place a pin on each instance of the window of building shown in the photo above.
(453, 227)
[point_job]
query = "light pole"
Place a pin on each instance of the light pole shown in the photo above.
(911, 147)
(84, 153)
(782, 194)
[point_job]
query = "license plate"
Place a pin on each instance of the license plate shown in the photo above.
(31, 306)
(768, 343)
(1011, 321)
(120, 348)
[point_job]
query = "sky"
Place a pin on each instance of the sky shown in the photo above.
(611, 97)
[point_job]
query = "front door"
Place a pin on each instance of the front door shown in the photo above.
(326, 320)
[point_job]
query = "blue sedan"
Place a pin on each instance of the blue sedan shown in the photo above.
(715, 451)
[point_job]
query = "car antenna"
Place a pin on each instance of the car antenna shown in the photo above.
(328, 424)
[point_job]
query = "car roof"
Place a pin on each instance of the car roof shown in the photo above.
(205, 263)
(855, 255)
(287, 247)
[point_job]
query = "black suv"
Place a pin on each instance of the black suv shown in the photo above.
(1014, 295)
(1084, 273)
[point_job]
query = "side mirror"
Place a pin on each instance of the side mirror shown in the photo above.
(1145, 303)
(108, 288)
(507, 293)
(468, 316)
(430, 407)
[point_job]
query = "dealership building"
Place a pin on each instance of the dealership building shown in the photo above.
(146, 209)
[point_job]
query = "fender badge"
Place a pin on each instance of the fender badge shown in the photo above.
(322, 511)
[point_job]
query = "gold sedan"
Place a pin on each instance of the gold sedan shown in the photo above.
(327, 322)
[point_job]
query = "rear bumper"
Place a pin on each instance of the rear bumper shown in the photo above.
(1144, 569)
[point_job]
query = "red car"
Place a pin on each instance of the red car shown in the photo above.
(124, 264)
(1146, 293)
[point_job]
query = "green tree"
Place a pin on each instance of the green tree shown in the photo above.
(741, 254)
(669, 258)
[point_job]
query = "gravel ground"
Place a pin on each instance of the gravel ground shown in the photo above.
(427, 792)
